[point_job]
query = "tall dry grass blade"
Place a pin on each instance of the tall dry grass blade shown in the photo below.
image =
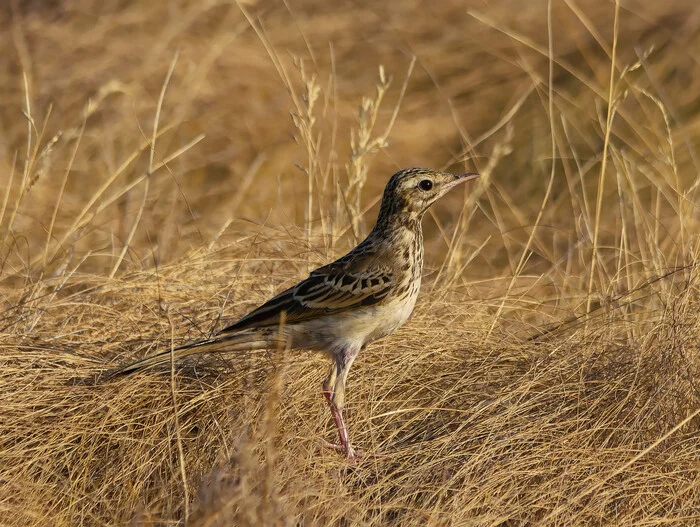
(6, 198)
(151, 155)
(176, 417)
(49, 235)
(604, 161)
(526, 250)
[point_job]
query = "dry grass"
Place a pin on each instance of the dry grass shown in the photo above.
(156, 186)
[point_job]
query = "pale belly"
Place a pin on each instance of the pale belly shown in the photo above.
(355, 328)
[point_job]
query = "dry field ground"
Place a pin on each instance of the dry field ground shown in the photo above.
(165, 166)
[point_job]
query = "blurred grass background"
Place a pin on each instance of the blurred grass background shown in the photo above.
(276, 126)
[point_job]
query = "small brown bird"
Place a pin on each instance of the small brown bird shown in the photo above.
(343, 306)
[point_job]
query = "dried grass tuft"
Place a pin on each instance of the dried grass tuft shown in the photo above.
(549, 374)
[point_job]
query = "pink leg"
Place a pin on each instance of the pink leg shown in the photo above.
(327, 392)
(339, 424)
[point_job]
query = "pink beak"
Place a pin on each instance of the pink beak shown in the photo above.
(462, 178)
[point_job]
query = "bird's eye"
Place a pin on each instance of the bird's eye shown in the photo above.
(426, 184)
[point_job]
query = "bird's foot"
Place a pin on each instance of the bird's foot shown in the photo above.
(353, 454)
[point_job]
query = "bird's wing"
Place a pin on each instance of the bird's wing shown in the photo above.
(337, 287)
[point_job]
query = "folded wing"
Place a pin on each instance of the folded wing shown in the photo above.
(328, 290)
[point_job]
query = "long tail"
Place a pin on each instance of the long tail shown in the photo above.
(242, 341)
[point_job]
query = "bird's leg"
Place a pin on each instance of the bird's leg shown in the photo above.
(343, 362)
(342, 432)
(327, 389)
(333, 390)
(329, 383)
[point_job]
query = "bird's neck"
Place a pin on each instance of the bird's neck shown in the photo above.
(399, 223)
(404, 232)
(394, 215)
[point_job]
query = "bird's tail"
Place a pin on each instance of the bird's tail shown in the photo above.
(241, 341)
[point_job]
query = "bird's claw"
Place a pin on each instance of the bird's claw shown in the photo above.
(352, 454)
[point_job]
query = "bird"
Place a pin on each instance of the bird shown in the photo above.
(345, 305)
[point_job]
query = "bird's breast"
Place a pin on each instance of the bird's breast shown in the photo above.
(391, 315)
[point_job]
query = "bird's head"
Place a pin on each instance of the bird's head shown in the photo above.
(412, 191)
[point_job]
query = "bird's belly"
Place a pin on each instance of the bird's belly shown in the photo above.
(354, 328)
(388, 318)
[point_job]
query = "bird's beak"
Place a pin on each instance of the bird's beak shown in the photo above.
(462, 178)
(467, 176)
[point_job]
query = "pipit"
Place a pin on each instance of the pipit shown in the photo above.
(343, 306)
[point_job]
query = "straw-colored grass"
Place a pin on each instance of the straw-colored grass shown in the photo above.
(153, 187)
